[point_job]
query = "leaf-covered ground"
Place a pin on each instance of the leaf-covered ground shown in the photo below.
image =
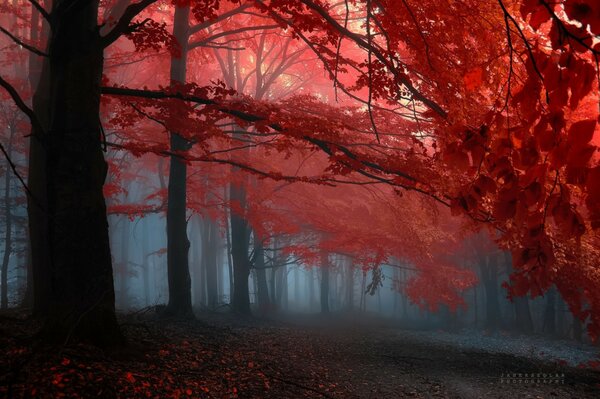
(221, 356)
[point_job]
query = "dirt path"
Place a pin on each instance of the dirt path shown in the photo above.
(377, 362)
(223, 357)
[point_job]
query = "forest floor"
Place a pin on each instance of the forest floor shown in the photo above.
(222, 356)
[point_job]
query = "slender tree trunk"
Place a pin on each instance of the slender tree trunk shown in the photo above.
(239, 251)
(560, 316)
(7, 227)
(210, 255)
(81, 301)
(311, 289)
(349, 284)
(577, 329)
(124, 265)
(228, 249)
(404, 297)
(523, 319)
(198, 266)
(363, 297)
(146, 262)
(180, 285)
(285, 288)
(264, 302)
(489, 273)
(324, 282)
(549, 324)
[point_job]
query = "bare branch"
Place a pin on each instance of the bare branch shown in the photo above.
(22, 43)
(21, 105)
(18, 175)
(123, 25)
(42, 11)
(197, 28)
(209, 39)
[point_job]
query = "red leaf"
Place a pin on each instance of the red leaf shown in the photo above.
(473, 78)
(582, 132)
(129, 377)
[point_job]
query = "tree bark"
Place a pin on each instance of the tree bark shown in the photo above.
(81, 292)
(39, 82)
(180, 284)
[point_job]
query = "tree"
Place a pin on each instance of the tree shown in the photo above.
(81, 292)
(495, 120)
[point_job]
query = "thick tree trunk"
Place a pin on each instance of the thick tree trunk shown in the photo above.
(39, 82)
(180, 285)
(81, 300)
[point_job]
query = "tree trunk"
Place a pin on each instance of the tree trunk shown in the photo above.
(146, 261)
(489, 273)
(37, 204)
(324, 282)
(198, 266)
(264, 303)
(27, 302)
(523, 319)
(123, 270)
(239, 251)
(34, 73)
(81, 292)
(577, 329)
(349, 284)
(209, 254)
(7, 226)
(549, 324)
(228, 248)
(180, 284)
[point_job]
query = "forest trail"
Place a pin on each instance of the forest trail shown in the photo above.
(220, 356)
